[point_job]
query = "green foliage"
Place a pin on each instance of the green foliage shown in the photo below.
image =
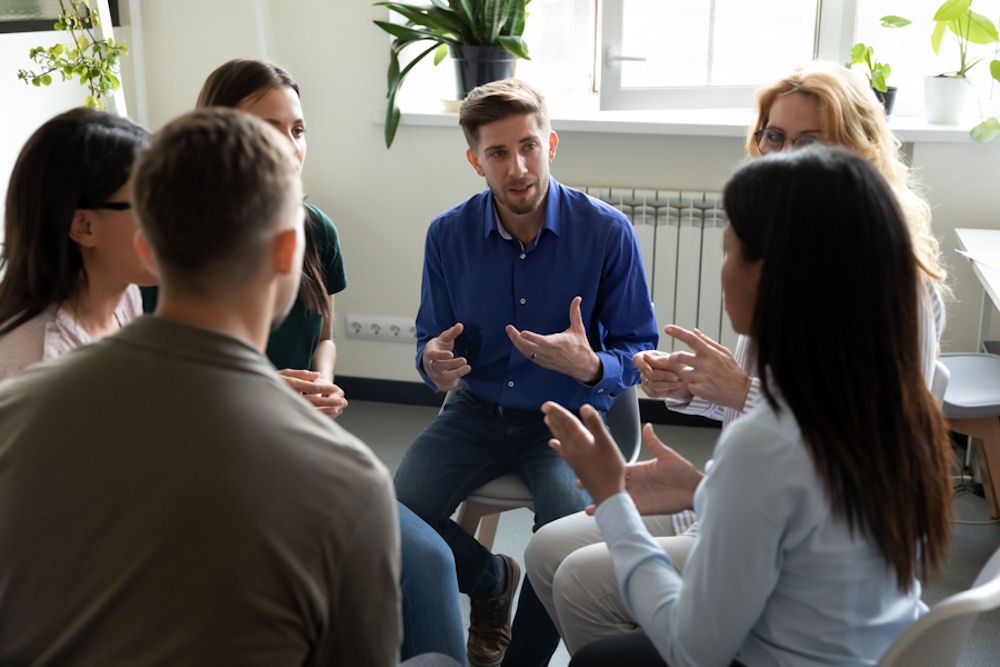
(989, 129)
(446, 23)
(864, 54)
(968, 27)
(95, 62)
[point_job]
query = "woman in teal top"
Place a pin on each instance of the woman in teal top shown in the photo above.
(302, 348)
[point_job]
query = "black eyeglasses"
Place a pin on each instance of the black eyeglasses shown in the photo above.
(114, 205)
(771, 141)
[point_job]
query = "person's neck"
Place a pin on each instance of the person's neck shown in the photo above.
(523, 227)
(232, 315)
(93, 307)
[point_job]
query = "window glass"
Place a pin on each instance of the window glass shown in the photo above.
(713, 42)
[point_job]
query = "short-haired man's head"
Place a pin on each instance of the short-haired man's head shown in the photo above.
(210, 191)
(500, 100)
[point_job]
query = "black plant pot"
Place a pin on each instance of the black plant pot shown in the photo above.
(476, 65)
(888, 98)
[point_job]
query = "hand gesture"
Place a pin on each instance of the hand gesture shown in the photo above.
(713, 372)
(327, 397)
(664, 484)
(661, 375)
(439, 361)
(567, 352)
(588, 448)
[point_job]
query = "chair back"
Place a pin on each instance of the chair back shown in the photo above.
(936, 638)
(939, 382)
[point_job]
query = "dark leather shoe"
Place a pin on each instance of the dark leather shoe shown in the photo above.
(489, 627)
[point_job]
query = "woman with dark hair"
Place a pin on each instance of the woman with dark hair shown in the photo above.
(69, 265)
(302, 348)
(830, 498)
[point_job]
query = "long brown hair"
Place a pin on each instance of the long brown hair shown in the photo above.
(230, 84)
(840, 344)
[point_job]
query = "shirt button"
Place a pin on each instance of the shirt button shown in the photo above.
(523, 255)
(510, 383)
(523, 301)
(600, 391)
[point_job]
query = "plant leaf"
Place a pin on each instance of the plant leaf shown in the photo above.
(988, 130)
(440, 53)
(894, 21)
(937, 36)
(952, 9)
(981, 29)
(515, 45)
(995, 69)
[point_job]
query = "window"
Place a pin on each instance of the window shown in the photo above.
(710, 53)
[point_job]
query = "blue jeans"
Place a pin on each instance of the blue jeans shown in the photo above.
(468, 444)
(432, 614)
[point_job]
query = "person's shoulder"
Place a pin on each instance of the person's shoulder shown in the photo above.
(578, 202)
(24, 345)
(321, 222)
(765, 439)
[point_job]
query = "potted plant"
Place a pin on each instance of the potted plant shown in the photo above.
(945, 94)
(878, 72)
(94, 61)
(483, 37)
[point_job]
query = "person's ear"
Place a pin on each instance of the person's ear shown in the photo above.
(553, 144)
(81, 228)
(284, 251)
(474, 161)
(145, 252)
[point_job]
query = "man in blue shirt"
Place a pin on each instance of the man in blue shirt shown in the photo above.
(531, 292)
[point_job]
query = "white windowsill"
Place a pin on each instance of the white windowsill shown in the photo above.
(686, 122)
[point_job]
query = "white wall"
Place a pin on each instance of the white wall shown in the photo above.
(382, 200)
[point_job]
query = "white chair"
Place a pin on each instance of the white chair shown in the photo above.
(481, 510)
(936, 638)
(939, 383)
(972, 406)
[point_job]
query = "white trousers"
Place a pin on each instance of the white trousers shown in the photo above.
(570, 569)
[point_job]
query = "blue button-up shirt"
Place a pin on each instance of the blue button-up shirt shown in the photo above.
(477, 275)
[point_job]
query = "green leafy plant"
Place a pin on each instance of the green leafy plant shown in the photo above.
(989, 129)
(94, 61)
(863, 54)
(968, 27)
(446, 23)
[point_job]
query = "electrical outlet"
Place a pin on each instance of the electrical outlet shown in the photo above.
(381, 327)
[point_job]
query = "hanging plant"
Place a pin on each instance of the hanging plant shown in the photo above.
(94, 61)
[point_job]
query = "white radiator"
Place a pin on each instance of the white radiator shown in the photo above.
(680, 234)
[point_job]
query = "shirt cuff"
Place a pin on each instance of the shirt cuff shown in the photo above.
(617, 517)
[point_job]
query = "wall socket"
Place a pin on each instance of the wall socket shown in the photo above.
(381, 327)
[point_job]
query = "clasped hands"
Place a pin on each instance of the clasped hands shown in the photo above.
(325, 396)
(567, 352)
(708, 371)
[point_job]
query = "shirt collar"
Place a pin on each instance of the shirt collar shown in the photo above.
(550, 220)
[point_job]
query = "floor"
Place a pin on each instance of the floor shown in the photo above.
(389, 428)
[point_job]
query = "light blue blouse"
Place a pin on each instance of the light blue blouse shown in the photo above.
(775, 578)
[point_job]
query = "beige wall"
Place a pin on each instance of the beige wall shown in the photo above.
(382, 201)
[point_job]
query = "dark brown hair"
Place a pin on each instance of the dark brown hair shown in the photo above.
(836, 334)
(232, 83)
(74, 161)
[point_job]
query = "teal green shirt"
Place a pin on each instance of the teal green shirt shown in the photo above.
(293, 344)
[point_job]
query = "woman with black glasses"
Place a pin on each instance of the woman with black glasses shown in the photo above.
(69, 266)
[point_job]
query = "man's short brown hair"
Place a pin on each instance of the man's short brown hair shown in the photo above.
(499, 100)
(209, 191)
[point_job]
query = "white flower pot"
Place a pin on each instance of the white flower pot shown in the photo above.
(945, 98)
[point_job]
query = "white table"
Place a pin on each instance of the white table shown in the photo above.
(982, 248)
